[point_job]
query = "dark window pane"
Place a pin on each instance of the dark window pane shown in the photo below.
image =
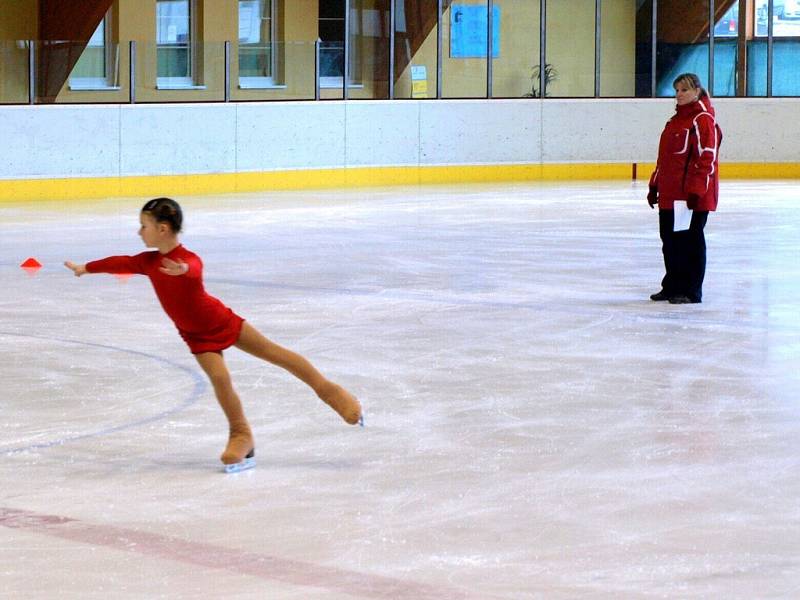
(331, 9)
(331, 59)
(331, 30)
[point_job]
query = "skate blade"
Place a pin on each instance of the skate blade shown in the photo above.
(361, 420)
(248, 463)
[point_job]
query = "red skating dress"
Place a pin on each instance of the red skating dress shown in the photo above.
(205, 323)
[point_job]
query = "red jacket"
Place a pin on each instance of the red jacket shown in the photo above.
(688, 156)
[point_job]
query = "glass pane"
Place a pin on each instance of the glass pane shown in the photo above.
(256, 54)
(331, 9)
(786, 67)
(369, 49)
(644, 49)
(97, 70)
(516, 62)
(757, 67)
(618, 48)
(293, 78)
(570, 47)
(174, 61)
(92, 65)
(416, 34)
(331, 59)
(331, 52)
(356, 52)
(172, 21)
(56, 83)
(786, 50)
(255, 61)
(255, 21)
(98, 39)
(785, 18)
(728, 24)
(13, 72)
(161, 72)
(726, 52)
(762, 15)
(682, 44)
(464, 43)
(173, 35)
(112, 86)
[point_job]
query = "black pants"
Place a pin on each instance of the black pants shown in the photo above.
(684, 255)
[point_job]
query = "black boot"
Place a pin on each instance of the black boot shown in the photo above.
(682, 300)
(659, 296)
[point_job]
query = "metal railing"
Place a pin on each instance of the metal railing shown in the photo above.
(221, 88)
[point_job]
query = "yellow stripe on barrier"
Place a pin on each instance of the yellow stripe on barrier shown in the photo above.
(759, 171)
(738, 171)
(79, 188)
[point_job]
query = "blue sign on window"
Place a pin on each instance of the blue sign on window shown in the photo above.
(468, 31)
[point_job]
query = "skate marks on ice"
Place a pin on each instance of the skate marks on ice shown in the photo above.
(59, 438)
(210, 556)
(528, 437)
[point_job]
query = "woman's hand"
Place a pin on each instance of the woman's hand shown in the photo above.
(78, 270)
(170, 267)
(652, 197)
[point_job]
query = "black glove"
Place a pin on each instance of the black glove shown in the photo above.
(691, 201)
(652, 197)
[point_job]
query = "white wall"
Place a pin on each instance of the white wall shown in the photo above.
(128, 140)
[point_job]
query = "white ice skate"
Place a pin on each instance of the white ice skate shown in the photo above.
(248, 462)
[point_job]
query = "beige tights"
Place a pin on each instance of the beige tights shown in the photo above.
(334, 395)
(240, 440)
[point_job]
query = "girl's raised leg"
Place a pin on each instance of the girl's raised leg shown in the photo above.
(240, 438)
(334, 395)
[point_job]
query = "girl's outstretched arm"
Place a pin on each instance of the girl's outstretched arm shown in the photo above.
(75, 268)
(116, 265)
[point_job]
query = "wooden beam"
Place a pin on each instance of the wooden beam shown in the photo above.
(746, 31)
(65, 27)
(682, 22)
(421, 19)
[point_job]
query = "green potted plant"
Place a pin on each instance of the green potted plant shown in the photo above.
(550, 75)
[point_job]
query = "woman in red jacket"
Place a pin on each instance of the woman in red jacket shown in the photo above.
(687, 174)
(208, 326)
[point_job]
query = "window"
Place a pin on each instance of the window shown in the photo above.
(331, 48)
(786, 49)
(96, 69)
(331, 35)
(174, 43)
(785, 18)
(728, 25)
(257, 43)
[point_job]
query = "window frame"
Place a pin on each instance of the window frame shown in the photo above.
(189, 82)
(354, 54)
(261, 82)
(765, 35)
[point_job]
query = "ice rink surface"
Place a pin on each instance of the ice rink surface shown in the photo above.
(536, 427)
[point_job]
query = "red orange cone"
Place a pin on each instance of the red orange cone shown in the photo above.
(31, 266)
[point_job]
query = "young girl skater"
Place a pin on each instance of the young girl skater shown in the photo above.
(209, 327)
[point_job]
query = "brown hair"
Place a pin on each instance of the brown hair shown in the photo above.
(165, 210)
